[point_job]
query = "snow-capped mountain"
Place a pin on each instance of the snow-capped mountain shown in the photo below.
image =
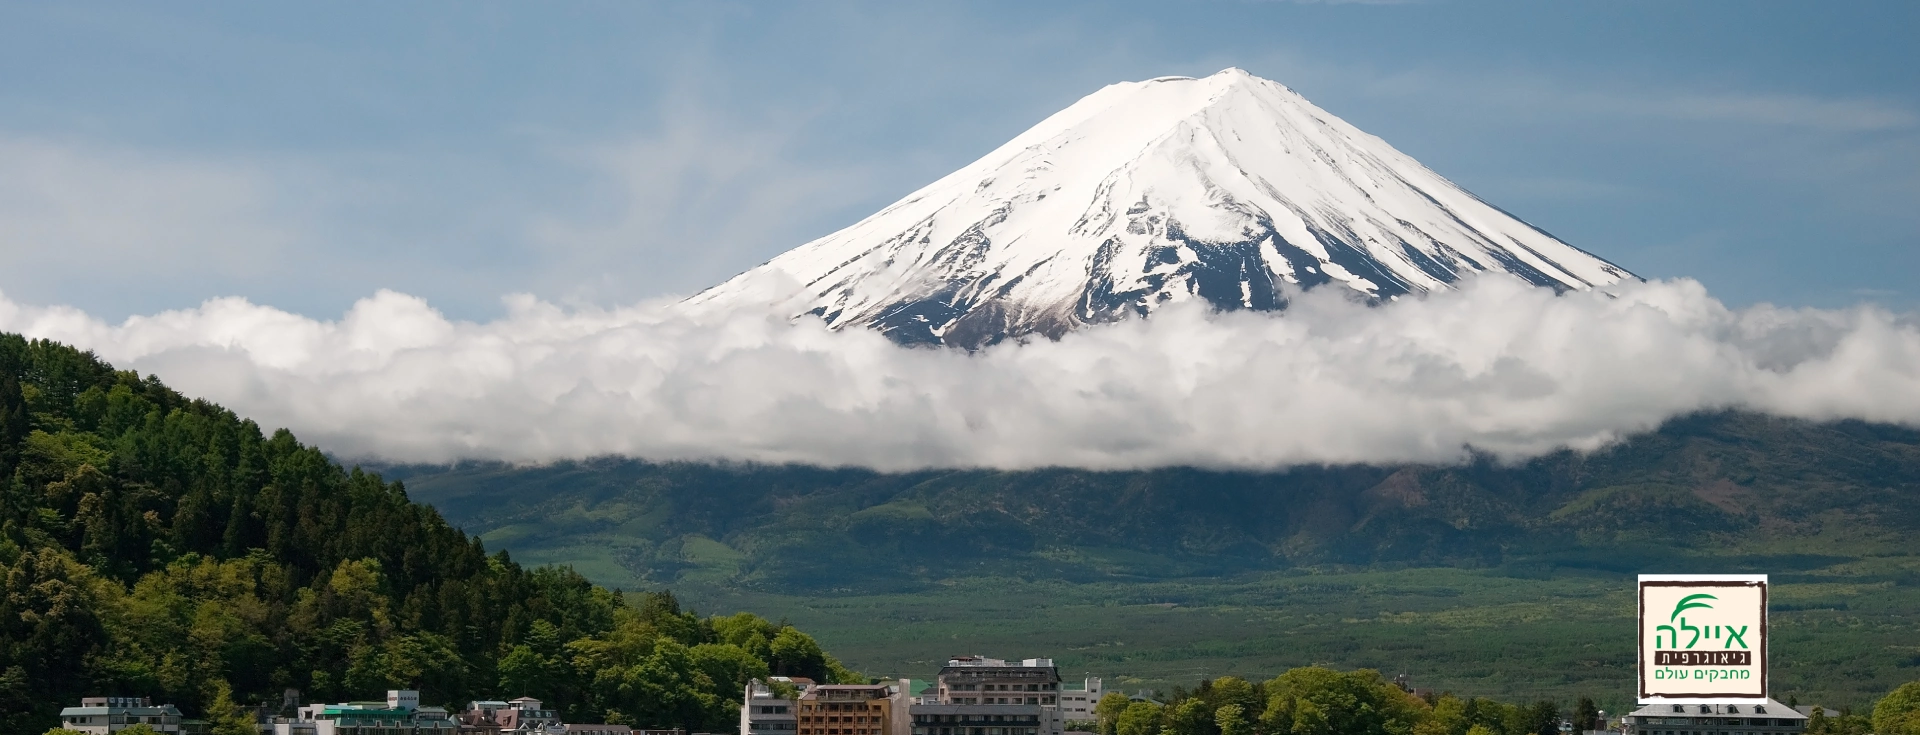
(1230, 189)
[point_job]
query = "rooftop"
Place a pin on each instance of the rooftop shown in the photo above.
(1769, 708)
(164, 709)
(975, 709)
(983, 661)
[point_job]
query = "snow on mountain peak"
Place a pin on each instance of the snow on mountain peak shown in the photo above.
(1229, 188)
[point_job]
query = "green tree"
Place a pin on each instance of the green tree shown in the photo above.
(1233, 690)
(525, 673)
(1311, 718)
(750, 632)
(1139, 718)
(1540, 718)
(1107, 711)
(1586, 715)
(1843, 724)
(224, 717)
(668, 690)
(1192, 717)
(1319, 701)
(1449, 717)
(728, 666)
(1232, 719)
(1898, 713)
(794, 653)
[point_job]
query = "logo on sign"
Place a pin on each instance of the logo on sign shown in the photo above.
(1702, 637)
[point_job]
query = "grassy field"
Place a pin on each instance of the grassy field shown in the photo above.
(1842, 636)
(1846, 629)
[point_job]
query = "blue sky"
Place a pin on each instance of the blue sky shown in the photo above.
(153, 156)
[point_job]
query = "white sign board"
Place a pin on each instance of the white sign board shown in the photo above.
(1703, 637)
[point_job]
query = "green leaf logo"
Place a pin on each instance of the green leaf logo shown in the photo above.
(1690, 602)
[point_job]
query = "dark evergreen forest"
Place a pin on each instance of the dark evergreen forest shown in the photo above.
(154, 545)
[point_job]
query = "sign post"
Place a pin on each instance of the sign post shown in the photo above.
(1703, 638)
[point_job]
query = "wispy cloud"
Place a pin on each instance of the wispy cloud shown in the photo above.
(686, 205)
(1498, 366)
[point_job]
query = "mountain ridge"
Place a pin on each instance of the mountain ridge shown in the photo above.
(1230, 189)
(1707, 489)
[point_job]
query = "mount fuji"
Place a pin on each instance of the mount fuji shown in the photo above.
(1230, 189)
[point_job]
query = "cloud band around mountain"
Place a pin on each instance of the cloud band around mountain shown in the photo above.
(1497, 366)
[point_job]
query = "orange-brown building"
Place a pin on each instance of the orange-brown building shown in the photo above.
(849, 709)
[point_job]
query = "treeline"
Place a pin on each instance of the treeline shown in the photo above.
(1898, 713)
(153, 545)
(1320, 701)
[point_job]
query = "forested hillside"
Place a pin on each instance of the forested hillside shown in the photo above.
(153, 545)
(1720, 491)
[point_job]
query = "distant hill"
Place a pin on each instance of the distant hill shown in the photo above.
(1721, 490)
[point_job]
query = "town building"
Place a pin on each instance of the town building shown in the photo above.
(400, 714)
(526, 715)
(981, 719)
(850, 709)
(764, 712)
(113, 714)
(1767, 717)
(978, 681)
(982, 680)
(600, 730)
(523, 716)
(1078, 700)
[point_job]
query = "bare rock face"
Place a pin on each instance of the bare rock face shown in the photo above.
(1229, 189)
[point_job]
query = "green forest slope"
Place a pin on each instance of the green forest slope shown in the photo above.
(152, 545)
(1487, 579)
(1716, 491)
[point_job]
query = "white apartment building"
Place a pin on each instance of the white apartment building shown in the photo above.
(762, 712)
(1077, 701)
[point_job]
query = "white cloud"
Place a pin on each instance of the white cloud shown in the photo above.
(1497, 366)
